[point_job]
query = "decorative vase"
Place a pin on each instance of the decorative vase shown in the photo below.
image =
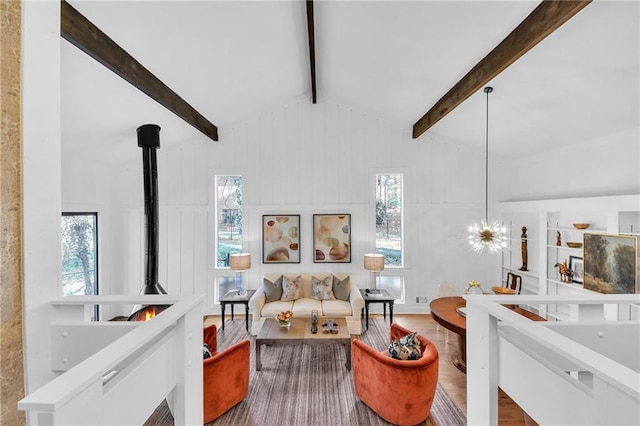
(284, 318)
(285, 324)
(474, 288)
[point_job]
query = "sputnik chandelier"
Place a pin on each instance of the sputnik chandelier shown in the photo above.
(487, 236)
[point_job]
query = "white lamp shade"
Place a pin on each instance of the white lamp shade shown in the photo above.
(240, 261)
(374, 262)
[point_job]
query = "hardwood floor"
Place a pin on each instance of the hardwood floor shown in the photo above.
(453, 380)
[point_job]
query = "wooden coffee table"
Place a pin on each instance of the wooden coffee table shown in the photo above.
(300, 334)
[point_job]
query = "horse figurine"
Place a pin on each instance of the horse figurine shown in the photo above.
(566, 274)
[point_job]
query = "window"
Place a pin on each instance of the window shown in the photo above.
(80, 254)
(389, 226)
(394, 285)
(229, 217)
(224, 285)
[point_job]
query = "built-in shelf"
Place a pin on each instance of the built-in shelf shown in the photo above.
(572, 229)
(564, 248)
(544, 219)
(516, 270)
(566, 284)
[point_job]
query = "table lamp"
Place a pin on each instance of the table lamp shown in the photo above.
(240, 262)
(374, 262)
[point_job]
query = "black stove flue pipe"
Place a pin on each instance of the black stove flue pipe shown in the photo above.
(149, 141)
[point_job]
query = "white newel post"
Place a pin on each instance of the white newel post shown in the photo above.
(188, 393)
(482, 364)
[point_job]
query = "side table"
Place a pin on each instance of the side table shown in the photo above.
(232, 298)
(381, 296)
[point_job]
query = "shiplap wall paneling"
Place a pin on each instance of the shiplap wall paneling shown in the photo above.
(188, 191)
(174, 250)
(133, 260)
(291, 156)
(283, 173)
(269, 166)
(187, 251)
(319, 157)
(354, 171)
(334, 155)
(247, 134)
(305, 176)
(201, 251)
(163, 244)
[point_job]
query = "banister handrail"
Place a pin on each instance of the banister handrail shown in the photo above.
(508, 351)
(118, 299)
(586, 299)
(62, 389)
(605, 368)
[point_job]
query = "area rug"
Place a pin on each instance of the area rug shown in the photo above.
(308, 385)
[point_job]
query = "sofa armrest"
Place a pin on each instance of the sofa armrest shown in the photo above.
(256, 302)
(356, 300)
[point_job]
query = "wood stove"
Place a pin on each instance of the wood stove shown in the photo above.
(149, 141)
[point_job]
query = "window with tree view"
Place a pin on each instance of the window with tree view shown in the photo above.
(79, 254)
(229, 217)
(389, 218)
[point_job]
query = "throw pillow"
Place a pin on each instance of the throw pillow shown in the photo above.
(342, 289)
(272, 290)
(322, 289)
(291, 290)
(206, 352)
(407, 347)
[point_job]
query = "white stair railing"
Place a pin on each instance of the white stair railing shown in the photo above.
(118, 373)
(585, 371)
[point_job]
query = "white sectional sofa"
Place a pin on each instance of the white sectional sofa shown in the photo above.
(332, 295)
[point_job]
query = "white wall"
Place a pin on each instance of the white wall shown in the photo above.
(297, 158)
(41, 182)
(602, 166)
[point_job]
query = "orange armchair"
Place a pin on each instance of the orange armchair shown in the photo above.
(401, 392)
(225, 374)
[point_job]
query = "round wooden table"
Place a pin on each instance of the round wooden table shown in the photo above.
(443, 311)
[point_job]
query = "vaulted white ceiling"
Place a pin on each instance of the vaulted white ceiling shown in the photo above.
(233, 59)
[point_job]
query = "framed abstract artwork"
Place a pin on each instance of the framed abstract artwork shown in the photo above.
(281, 238)
(610, 263)
(332, 238)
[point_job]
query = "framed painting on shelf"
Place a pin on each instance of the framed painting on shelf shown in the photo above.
(332, 238)
(610, 263)
(281, 238)
(576, 264)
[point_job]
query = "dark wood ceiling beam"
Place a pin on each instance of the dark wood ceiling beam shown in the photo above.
(312, 49)
(83, 34)
(545, 19)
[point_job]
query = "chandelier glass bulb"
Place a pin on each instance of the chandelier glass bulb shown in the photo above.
(490, 237)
